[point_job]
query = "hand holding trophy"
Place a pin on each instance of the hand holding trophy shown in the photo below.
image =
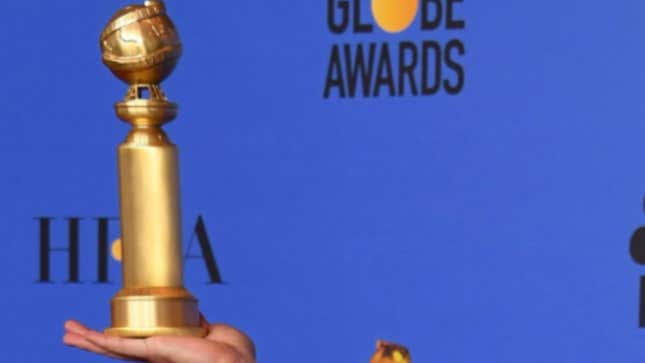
(153, 317)
(223, 344)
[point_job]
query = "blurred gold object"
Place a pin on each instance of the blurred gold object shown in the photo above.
(387, 352)
(117, 253)
(140, 45)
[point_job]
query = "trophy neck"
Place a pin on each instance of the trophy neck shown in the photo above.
(147, 136)
(145, 105)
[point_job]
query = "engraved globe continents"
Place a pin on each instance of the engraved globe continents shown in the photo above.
(140, 44)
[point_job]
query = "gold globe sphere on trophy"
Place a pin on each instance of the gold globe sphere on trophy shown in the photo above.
(140, 45)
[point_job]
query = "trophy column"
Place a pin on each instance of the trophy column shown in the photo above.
(140, 46)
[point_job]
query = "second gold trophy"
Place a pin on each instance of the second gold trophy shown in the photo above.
(140, 45)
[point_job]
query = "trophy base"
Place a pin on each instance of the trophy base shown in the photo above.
(150, 332)
(146, 312)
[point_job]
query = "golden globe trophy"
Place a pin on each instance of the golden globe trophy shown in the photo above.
(140, 46)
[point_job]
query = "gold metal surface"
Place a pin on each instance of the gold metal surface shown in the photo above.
(387, 352)
(140, 44)
(141, 47)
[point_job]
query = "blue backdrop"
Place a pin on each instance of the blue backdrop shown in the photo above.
(491, 226)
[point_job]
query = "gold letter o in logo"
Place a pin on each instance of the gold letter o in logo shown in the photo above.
(394, 16)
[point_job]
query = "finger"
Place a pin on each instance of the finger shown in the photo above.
(76, 327)
(80, 342)
(122, 346)
(76, 333)
(228, 335)
(75, 336)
